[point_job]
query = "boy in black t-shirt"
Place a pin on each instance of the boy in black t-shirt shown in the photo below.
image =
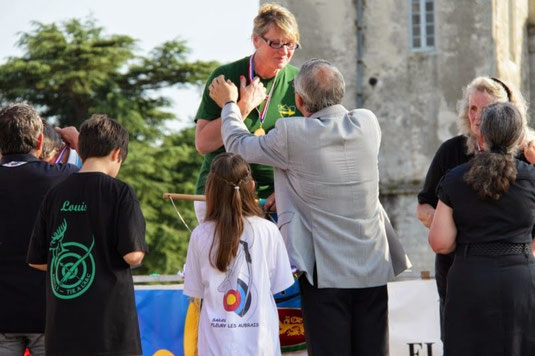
(89, 231)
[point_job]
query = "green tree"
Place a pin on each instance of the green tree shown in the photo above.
(72, 70)
(170, 167)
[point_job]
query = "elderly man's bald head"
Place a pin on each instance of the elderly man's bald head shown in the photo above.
(320, 85)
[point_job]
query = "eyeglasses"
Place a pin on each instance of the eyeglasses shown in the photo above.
(278, 45)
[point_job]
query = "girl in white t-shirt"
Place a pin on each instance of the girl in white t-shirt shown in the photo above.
(236, 262)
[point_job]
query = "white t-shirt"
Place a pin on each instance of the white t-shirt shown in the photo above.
(239, 315)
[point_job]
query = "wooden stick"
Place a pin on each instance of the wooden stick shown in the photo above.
(188, 197)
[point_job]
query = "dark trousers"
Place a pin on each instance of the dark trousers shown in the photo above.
(345, 321)
(490, 306)
(442, 266)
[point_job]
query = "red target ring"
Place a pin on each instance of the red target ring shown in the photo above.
(231, 300)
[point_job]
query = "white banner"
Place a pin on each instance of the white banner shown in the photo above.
(414, 318)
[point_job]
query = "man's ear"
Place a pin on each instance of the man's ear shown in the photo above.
(116, 154)
(299, 102)
(38, 146)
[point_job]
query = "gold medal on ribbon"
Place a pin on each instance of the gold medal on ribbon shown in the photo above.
(259, 132)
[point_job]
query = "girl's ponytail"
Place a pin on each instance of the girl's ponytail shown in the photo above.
(230, 197)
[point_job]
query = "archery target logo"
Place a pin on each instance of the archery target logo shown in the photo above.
(231, 300)
(238, 286)
(72, 267)
(72, 272)
(238, 300)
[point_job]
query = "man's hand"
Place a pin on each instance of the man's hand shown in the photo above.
(251, 95)
(529, 151)
(222, 91)
(69, 135)
(270, 204)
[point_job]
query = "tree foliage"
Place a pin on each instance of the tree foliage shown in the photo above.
(72, 70)
(170, 167)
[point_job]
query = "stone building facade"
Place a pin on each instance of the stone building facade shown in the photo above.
(407, 61)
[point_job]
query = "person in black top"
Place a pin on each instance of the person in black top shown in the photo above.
(486, 216)
(89, 231)
(24, 181)
(481, 92)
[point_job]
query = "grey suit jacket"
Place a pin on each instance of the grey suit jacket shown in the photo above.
(327, 191)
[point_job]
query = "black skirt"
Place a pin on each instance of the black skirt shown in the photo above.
(490, 306)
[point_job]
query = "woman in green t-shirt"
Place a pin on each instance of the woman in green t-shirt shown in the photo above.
(266, 94)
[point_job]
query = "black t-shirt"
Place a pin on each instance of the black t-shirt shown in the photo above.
(85, 226)
(511, 218)
(24, 181)
(450, 154)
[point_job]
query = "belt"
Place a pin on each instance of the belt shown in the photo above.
(497, 248)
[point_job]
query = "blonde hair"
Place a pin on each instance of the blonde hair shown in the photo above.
(273, 14)
(497, 89)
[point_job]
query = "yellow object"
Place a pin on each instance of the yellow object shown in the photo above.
(259, 132)
(191, 328)
(231, 299)
(163, 352)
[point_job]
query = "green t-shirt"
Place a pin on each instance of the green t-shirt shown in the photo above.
(282, 105)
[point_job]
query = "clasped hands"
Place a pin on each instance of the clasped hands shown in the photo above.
(223, 90)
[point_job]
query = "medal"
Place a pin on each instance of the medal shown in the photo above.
(261, 113)
(259, 132)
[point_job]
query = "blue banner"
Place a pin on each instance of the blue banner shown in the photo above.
(161, 314)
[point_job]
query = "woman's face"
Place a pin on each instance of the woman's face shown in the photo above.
(270, 57)
(479, 100)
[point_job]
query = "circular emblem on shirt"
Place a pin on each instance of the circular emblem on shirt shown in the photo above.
(73, 271)
(72, 267)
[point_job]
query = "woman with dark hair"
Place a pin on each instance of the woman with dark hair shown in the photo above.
(477, 95)
(486, 216)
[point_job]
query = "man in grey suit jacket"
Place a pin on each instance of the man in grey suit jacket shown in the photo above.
(327, 191)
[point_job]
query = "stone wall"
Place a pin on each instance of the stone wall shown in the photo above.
(510, 36)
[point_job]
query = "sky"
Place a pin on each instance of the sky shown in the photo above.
(213, 29)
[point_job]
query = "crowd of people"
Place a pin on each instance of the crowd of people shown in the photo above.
(269, 130)
(82, 226)
(482, 228)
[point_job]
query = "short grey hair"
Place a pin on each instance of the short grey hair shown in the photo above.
(319, 84)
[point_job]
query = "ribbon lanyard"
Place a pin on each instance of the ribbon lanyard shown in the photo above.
(61, 154)
(261, 114)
